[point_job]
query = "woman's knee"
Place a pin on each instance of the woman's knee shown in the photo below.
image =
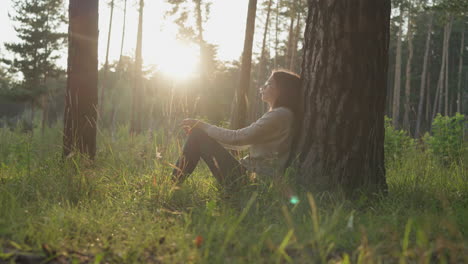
(198, 135)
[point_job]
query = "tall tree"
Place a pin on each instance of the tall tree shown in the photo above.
(257, 108)
(344, 82)
(137, 83)
(423, 77)
(239, 115)
(106, 63)
(397, 82)
(81, 96)
(460, 68)
(119, 69)
(277, 16)
(295, 42)
(440, 84)
(292, 16)
(406, 122)
(36, 53)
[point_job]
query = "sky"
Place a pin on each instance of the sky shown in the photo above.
(225, 28)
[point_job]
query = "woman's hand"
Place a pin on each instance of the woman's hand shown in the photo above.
(188, 124)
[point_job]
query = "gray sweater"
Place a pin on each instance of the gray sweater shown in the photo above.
(269, 139)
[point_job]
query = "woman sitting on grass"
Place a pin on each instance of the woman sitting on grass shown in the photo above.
(269, 138)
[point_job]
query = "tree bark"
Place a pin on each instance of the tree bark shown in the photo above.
(344, 82)
(239, 117)
(406, 122)
(423, 77)
(106, 64)
(137, 83)
(81, 96)
(460, 68)
(397, 82)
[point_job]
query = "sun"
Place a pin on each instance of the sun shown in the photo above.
(177, 60)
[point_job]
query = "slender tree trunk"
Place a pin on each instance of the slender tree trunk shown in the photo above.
(203, 54)
(239, 118)
(423, 77)
(81, 97)
(428, 100)
(106, 64)
(344, 82)
(137, 83)
(446, 85)
(262, 67)
(45, 97)
(123, 32)
(460, 68)
(115, 105)
(440, 82)
(447, 67)
(200, 29)
(397, 82)
(406, 122)
(295, 42)
(292, 14)
(276, 34)
(45, 108)
(32, 115)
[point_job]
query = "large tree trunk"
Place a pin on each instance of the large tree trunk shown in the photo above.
(397, 82)
(460, 67)
(106, 64)
(344, 85)
(406, 122)
(81, 96)
(423, 78)
(137, 83)
(239, 117)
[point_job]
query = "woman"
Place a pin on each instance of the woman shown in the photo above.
(269, 138)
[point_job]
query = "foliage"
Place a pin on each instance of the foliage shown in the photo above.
(397, 142)
(184, 11)
(447, 140)
(37, 28)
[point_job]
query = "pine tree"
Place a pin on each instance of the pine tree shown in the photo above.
(37, 27)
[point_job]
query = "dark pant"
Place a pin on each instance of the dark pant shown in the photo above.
(225, 168)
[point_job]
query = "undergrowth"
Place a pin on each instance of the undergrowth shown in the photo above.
(123, 208)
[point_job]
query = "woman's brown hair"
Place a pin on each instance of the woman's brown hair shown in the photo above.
(289, 87)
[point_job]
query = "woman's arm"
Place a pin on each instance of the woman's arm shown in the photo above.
(269, 126)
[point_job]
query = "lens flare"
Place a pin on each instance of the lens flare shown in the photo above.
(294, 199)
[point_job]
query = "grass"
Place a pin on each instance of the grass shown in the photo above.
(123, 208)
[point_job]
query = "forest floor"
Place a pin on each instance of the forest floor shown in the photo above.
(123, 208)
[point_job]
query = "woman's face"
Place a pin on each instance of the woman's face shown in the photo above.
(269, 91)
